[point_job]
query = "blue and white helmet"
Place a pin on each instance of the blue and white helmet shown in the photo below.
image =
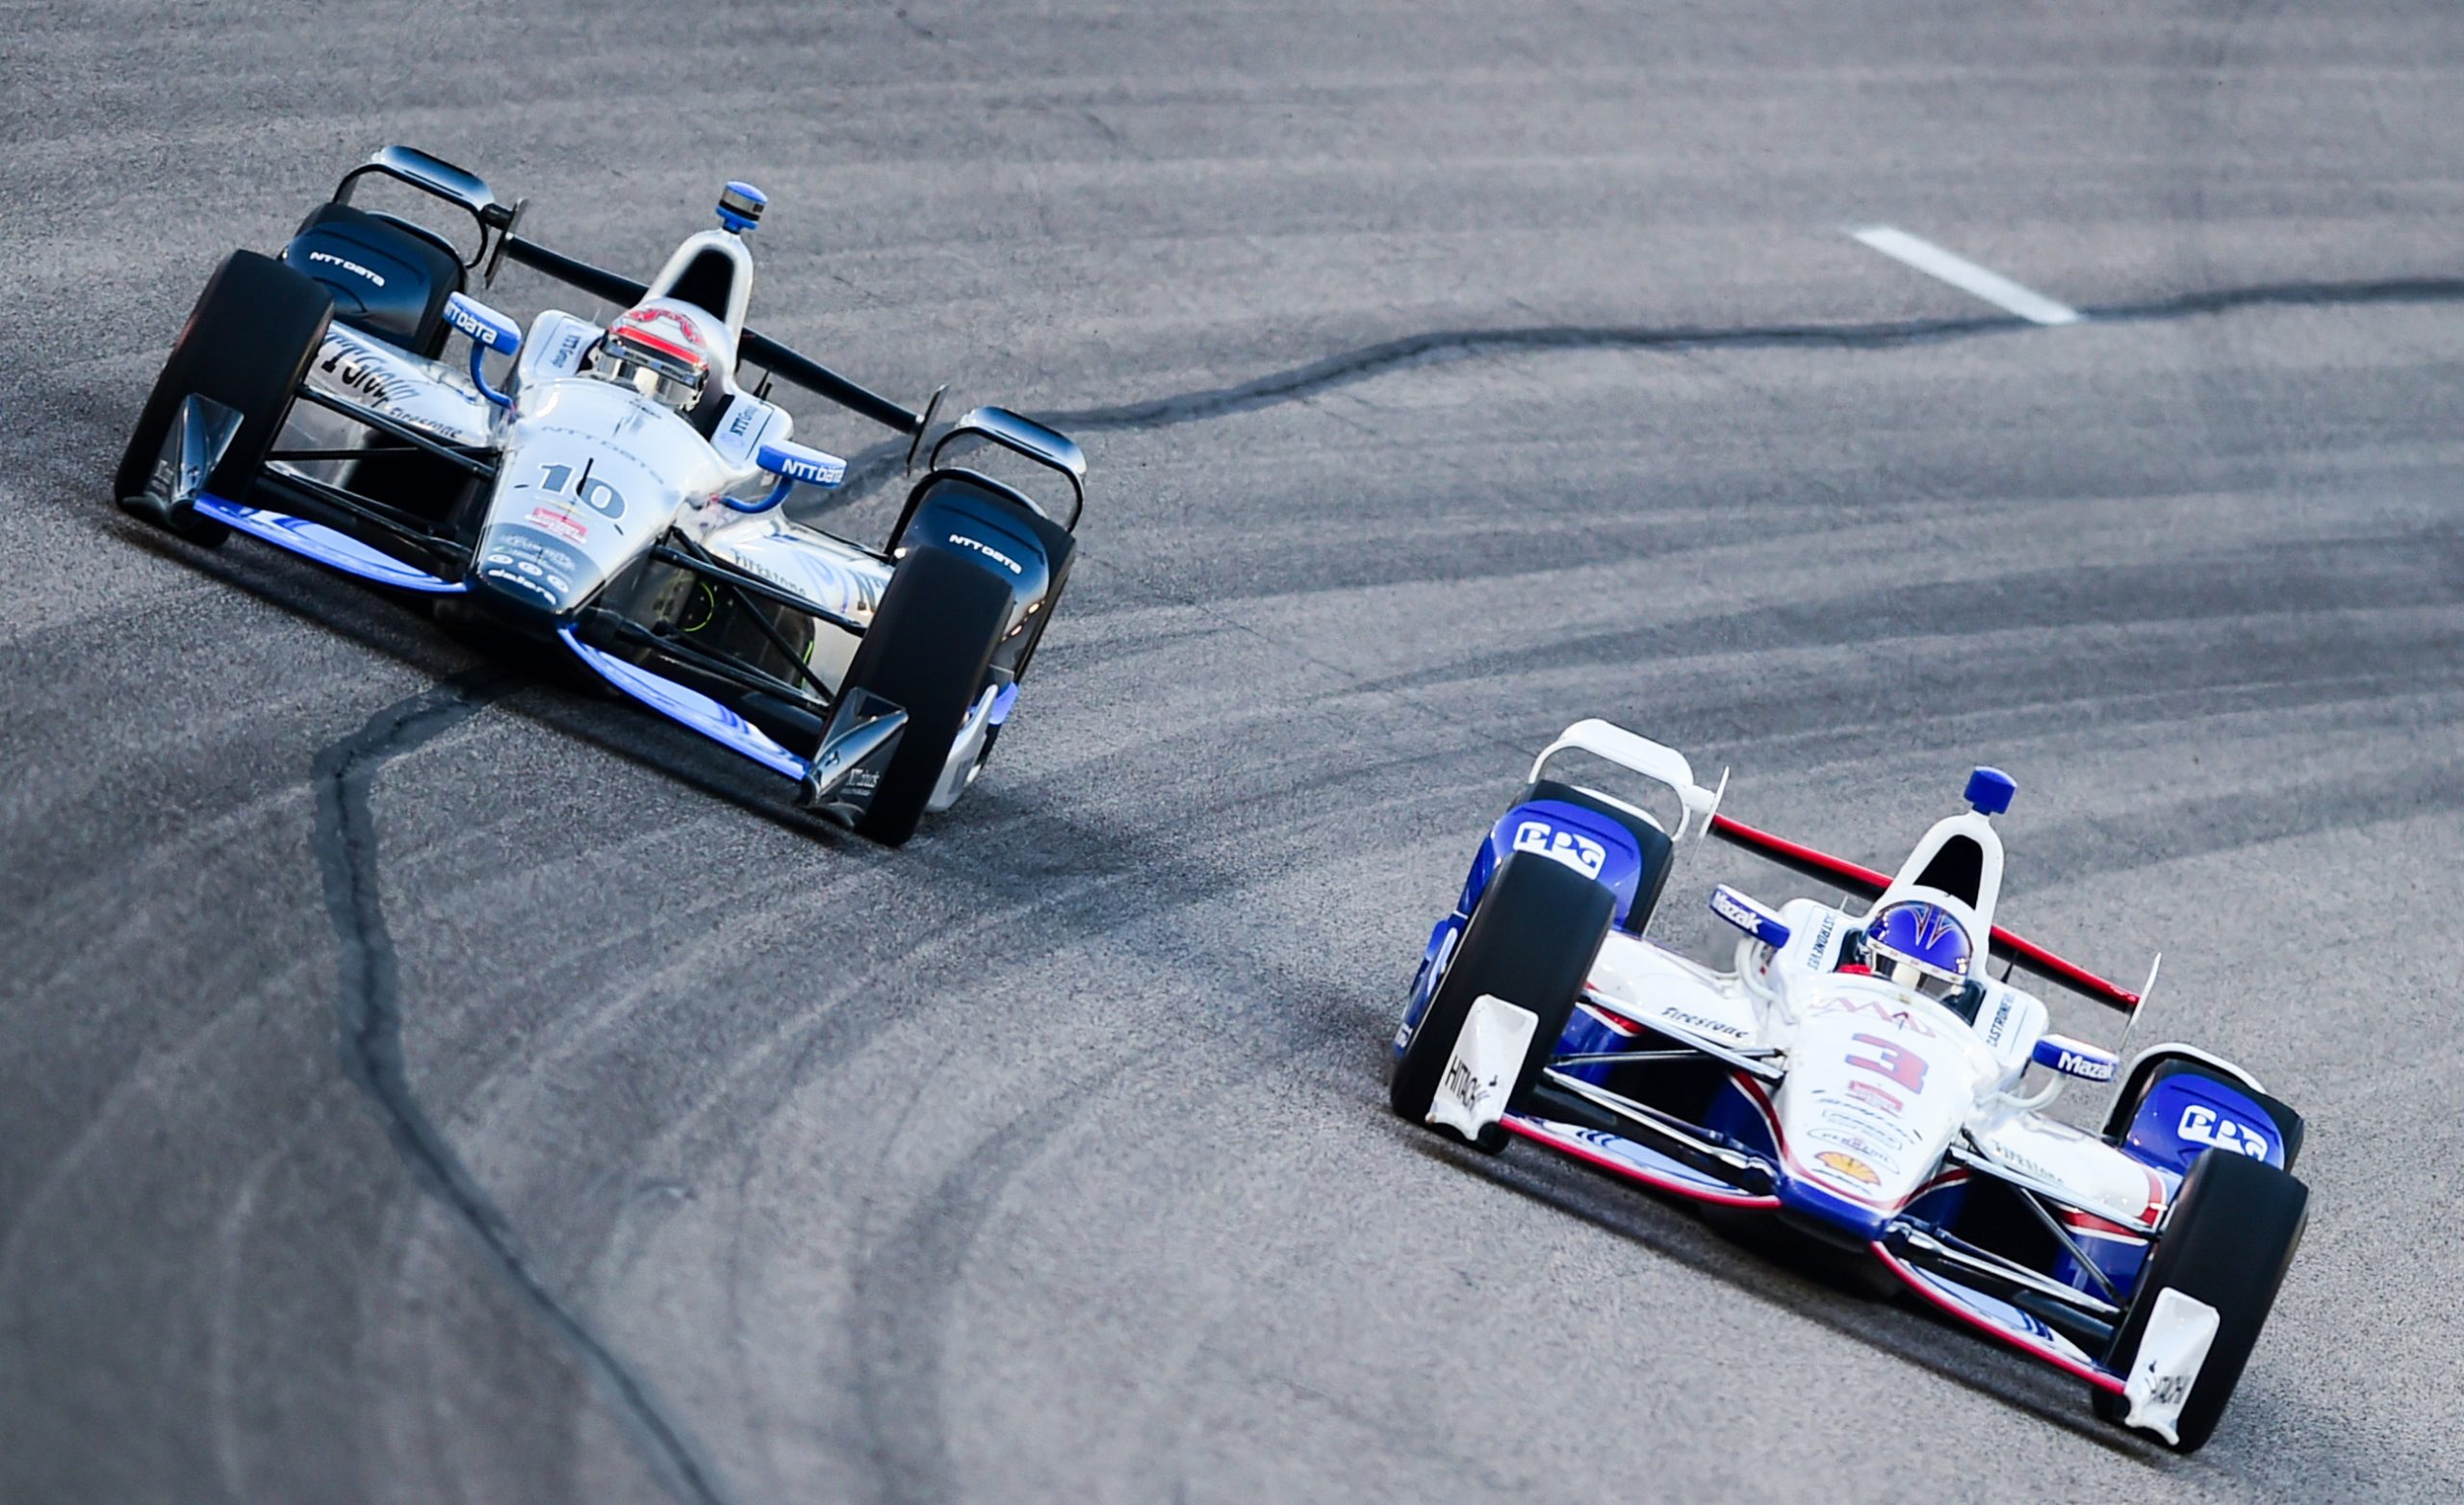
(1920, 945)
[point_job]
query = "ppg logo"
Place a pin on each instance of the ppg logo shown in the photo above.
(2201, 1126)
(1579, 853)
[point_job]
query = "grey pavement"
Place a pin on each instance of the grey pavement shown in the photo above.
(425, 1082)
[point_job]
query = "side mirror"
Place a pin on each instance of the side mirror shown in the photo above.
(1754, 919)
(1048, 447)
(432, 174)
(2074, 1057)
(791, 462)
(487, 330)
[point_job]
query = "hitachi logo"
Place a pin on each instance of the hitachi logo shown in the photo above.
(346, 266)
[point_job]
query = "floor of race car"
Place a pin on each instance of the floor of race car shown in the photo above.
(1448, 374)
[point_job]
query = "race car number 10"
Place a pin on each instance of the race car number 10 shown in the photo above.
(595, 494)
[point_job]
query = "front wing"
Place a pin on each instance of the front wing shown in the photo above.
(1636, 1144)
(325, 525)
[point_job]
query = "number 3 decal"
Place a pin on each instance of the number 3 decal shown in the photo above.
(1896, 1063)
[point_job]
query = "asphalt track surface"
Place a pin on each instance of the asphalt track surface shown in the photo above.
(426, 1082)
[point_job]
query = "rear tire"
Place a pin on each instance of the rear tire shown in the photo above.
(246, 344)
(1532, 939)
(2230, 1238)
(928, 651)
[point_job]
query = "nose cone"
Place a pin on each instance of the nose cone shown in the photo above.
(522, 572)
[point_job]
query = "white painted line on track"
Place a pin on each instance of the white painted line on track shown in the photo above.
(1967, 275)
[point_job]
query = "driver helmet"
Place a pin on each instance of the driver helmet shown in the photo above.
(1920, 945)
(659, 352)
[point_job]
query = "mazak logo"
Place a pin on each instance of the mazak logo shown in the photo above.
(989, 552)
(2202, 1125)
(1728, 906)
(331, 260)
(2091, 1069)
(1578, 852)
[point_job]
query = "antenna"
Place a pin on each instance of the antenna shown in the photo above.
(2146, 991)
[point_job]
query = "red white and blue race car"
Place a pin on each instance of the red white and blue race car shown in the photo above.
(1859, 1077)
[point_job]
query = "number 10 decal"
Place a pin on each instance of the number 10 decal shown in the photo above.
(595, 494)
(1895, 1062)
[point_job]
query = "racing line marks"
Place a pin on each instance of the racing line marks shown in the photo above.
(872, 468)
(368, 1011)
(1300, 383)
(1965, 276)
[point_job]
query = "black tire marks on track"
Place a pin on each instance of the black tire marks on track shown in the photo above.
(368, 1014)
(872, 468)
(906, 1444)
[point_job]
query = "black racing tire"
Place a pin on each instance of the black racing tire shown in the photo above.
(2232, 1232)
(246, 344)
(928, 651)
(1659, 852)
(1532, 939)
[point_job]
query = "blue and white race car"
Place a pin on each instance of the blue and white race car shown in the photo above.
(615, 486)
(1859, 1076)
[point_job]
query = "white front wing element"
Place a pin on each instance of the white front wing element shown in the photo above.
(1480, 1074)
(2171, 1351)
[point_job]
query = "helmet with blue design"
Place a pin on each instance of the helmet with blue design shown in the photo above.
(1920, 945)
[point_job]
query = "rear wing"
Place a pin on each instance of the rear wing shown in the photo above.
(1857, 878)
(499, 224)
(756, 347)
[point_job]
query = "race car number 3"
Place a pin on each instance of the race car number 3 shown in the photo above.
(1890, 1060)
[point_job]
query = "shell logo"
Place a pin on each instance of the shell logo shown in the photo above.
(1848, 1165)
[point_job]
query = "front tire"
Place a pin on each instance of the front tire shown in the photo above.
(247, 345)
(928, 652)
(2230, 1239)
(1531, 941)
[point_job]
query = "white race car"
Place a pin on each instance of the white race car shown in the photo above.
(1860, 1077)
(616, 487)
